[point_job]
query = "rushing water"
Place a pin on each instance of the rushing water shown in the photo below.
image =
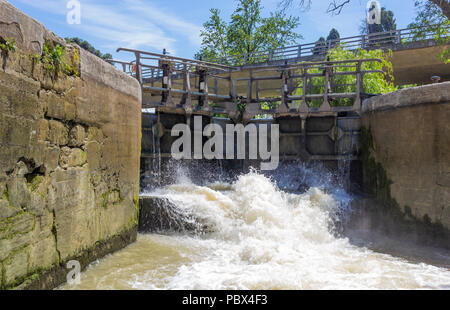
(258, 237)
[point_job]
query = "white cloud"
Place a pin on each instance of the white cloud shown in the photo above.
(127, 23)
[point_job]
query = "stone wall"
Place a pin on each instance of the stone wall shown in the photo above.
(406, 153)
(69, 156)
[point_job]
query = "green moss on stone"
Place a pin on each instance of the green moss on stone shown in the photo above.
(83, 157)
(113, 197)
(105, 200)
(34, 182)
(25, 281)
(136, 199)
(2, 279)
(7, 225)
(6, 194)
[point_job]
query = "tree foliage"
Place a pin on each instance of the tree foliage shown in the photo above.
(374, 83)
(247, 32)
(320, 47)
(333, 38)
(333, 35)
(88, 47)
(430, 18)
(428, 15)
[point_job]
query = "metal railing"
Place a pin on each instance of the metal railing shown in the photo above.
(370, 41)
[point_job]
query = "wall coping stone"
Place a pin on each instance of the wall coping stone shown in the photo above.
(408, 97)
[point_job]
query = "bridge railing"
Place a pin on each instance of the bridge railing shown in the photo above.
(187, 86)
(308, 88)
(370, 41)
(149, 65)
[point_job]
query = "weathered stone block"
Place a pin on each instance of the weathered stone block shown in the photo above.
(16, 266)
(58, 133)
(43, 129)
(93, 155)
(77, 136)
(95, 134)
(19, 95)
(53, 103)
(72, 158)
(63, 84)
(18, 132)
(43, 254)
(52, 158)
(17, 227)
(18, 192)
(70, 111)
(7, 211)
(72, 198)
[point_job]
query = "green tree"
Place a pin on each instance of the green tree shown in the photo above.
(88, 47)
(374, 83)
(320, 47)
(333, 35)
(333, 38)
(214, 37)
(430, 18)
(247, 32)
(428, 15)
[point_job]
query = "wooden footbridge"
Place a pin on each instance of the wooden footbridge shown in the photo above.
(186, 86)
(317, 110)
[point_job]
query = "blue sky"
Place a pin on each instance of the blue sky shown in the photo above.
(175, 24)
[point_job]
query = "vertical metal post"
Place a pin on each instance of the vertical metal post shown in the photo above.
(299, 51)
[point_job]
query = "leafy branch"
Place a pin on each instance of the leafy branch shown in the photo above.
(53, 60)
(8, 45)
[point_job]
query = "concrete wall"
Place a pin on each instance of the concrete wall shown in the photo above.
(69, 157)
(406, 152)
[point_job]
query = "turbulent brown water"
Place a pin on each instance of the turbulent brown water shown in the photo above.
(260, 237)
